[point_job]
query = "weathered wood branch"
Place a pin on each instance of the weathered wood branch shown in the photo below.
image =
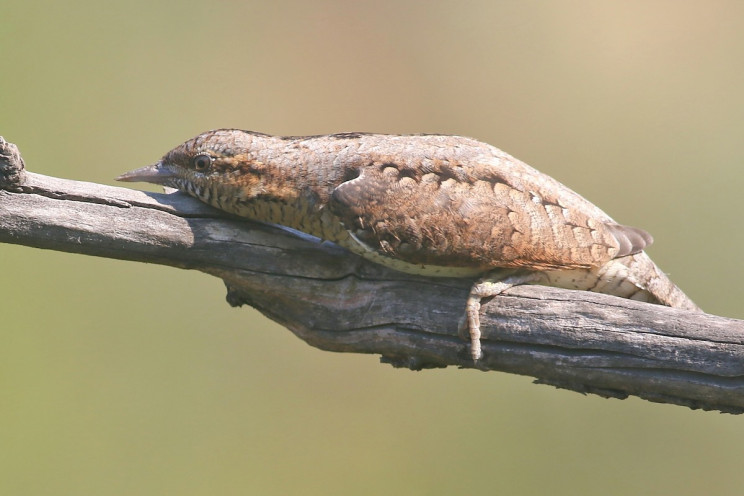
(336, 301)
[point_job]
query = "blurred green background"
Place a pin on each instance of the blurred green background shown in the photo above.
(121, 378)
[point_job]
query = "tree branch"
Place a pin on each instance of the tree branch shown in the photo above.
(337, 301)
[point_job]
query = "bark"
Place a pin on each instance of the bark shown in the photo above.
(336, 301)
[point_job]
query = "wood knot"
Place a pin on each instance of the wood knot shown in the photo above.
(11, 166)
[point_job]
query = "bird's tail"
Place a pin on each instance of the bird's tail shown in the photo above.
(633, 276)
(644, 273)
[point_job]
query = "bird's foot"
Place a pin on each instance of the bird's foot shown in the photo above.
(492, 284)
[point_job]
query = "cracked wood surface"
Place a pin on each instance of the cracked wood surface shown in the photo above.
(336, 301)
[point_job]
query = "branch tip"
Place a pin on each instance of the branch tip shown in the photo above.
(11, 166)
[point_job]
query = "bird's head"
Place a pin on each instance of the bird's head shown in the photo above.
(213, 161)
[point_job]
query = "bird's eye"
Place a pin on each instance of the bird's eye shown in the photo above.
(201, 162)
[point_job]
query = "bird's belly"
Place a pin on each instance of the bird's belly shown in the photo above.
(325, 225)
(613, 278)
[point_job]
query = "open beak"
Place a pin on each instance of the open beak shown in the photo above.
(155, 173)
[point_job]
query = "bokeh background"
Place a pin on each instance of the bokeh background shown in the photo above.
(120, 378)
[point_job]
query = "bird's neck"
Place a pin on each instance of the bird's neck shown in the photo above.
(285, 184)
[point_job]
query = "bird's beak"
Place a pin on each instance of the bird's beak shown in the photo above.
(156, 173)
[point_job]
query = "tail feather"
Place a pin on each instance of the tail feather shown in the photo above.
(634, 276)
(631, 239)
(656, 282)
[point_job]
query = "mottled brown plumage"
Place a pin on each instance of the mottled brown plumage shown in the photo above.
(428, 204)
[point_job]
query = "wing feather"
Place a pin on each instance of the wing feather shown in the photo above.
(494, 212)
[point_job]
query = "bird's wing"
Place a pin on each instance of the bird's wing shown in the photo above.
(478, 216)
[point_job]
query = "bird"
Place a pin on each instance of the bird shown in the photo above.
(428, 204)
